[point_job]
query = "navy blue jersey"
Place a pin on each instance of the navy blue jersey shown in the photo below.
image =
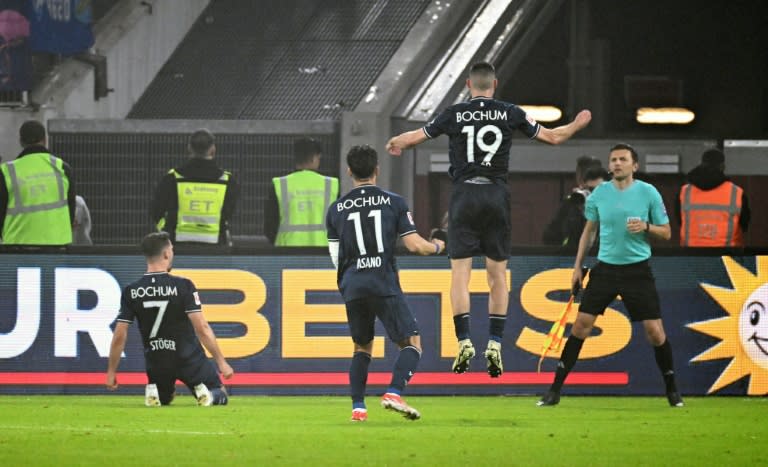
(367, 222)
(161, 302)
(480, 135)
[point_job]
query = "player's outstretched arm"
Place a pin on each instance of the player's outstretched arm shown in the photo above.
(208, 338)
(115, 352)
(418, 244)
(563, 133)
(405, 140)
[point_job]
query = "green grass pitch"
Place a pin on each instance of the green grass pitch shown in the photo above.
(259, 430)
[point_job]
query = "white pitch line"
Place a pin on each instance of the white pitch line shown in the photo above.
(108, 430)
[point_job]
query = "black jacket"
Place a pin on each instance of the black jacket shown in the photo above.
(271, 215)
(568, 224)
(707, 178)
(67, 171)
(166, 200)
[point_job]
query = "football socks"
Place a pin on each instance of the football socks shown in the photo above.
(663, 354)
(567, 361)
(461, 324)
(405, 366)
(496, 327)
(358, 377)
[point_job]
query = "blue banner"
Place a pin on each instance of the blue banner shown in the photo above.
(60, 26)
(281, 323)
(15, 58)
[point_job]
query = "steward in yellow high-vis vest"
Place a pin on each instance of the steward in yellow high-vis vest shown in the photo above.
(194, 202)
(37, 199)
(295, 211)
(712, 210)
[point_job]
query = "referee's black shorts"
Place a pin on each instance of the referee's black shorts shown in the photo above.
(479, 221)
(634, 282)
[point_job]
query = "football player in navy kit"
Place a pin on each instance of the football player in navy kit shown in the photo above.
(172, 326)
(480, 134)
(363, 228)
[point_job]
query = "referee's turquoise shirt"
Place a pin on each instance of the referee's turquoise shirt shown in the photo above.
(612, 208)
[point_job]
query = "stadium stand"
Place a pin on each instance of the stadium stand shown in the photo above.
(288, 60)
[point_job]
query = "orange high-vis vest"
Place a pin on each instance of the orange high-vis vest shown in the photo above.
(710, 218)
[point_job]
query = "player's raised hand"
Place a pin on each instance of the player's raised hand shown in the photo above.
(583, 118)
(226, 370)
(393, 148)
(112, 382)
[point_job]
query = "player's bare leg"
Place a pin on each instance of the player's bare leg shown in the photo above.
(461, 270)
(498, 301)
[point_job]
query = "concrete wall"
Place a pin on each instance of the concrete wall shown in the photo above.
(137, 37)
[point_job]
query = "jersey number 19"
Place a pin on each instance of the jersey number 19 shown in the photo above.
(489, 149)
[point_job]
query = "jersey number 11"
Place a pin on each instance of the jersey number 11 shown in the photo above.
(355, 218)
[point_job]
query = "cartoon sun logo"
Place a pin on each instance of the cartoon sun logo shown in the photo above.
(743, 333)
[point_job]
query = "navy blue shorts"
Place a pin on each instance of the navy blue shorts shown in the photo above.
(479, 221)
(392, 311)
(165, 372)
(634, 282)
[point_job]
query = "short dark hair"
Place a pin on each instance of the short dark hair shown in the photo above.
(31, 132)
(362, 161)
(584, 163)
(594, 173)
(201, 141)
(304, 149)
(620, 146)
(482, 75)
(153, 244)
(713, 158)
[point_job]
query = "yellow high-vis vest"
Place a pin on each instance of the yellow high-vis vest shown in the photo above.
(303, 198)
(37, 212)
(200, 205)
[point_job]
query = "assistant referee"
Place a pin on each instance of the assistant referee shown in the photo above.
(628, 212)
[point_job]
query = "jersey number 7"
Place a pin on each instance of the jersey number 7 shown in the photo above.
(161, 305)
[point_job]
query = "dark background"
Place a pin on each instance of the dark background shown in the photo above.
(718, 49)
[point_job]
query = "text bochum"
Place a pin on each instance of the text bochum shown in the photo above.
(471, 116)
(156, 291)
(365, 262)
(363, 202)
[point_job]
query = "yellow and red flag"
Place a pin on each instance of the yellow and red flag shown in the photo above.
(555, 335)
